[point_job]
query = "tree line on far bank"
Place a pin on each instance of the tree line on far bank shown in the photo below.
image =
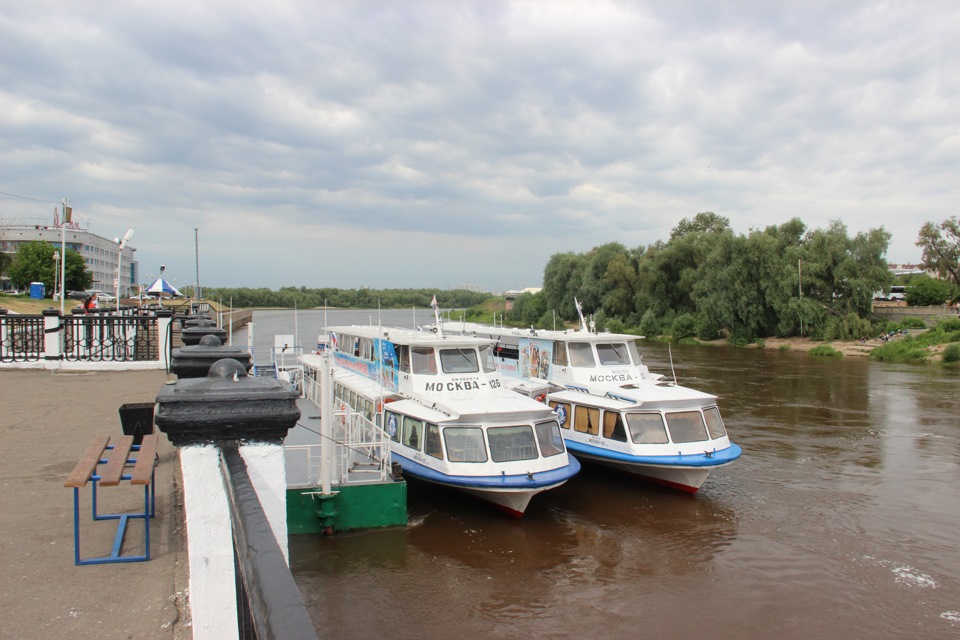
(706, 281)
(309, 298)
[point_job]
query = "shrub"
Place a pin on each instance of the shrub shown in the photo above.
(650, 324)
(952, 353)
(948, 325)
(913, 322)
(905, 350)
(707, 328)
(684, 326)
(825, 350)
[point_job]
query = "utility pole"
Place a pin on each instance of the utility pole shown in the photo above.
(198, 294)
(64, 219)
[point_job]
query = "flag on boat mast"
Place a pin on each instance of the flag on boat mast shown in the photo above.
(436, 315)
(583, 323)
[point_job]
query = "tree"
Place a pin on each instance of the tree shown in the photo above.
(941, 248)
(924, 291)
(34, 263)
(561, 281)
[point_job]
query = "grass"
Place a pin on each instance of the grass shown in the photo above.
(825, 350)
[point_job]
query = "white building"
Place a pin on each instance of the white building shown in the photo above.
(99, 254)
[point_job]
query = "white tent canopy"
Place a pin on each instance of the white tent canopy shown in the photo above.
(161, 286)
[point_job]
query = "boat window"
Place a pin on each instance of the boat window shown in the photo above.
(613, 353)
(634, 352)
(647, 428)
(560, 354)
(462, 360)
(714, 423)
(393, 425)
(465, 444)
(686, 426)
(423, 360)
(352, 399)
(511, 443)
(508, 351)
(613, 426)
(581, 354)
(412, 432)
(487, 360)
(433, 446)
(563, 413)
(404, 355)
(587, 420)
(548, 435)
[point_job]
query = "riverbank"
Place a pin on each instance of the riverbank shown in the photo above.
(46, 422)
(854, 349)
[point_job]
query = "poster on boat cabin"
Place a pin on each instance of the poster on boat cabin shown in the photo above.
(535, 358)
(388, 364)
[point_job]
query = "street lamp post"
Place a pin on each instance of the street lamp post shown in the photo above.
(56, 276)
(122, 242)
(160, 293)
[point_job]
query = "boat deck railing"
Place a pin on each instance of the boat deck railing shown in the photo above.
(362, 448)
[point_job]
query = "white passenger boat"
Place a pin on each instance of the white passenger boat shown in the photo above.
(448, 414)
(612, 410)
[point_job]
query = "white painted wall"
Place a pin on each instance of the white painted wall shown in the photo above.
(213, 598)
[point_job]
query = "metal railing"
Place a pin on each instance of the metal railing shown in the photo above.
(359, 440)
(130, 336)
(21, 338)
(97, 338)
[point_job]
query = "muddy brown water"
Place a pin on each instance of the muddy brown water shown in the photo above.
(841, 520)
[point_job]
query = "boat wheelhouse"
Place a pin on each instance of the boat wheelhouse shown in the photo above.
(612, 410)
(449, 417)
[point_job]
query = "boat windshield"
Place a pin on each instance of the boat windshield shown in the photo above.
(465, 444)
(459, 361)
(686, 426)
(511, 443)
(487, 359)
(714, 423)
(548, 435)
(647, 428)
(581, 354)
(423, 360)
(613, 353)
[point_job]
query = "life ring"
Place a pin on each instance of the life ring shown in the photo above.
(541, 398)
(343, 412)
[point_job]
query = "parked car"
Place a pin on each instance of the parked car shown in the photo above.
(102, 296)
(77, 295)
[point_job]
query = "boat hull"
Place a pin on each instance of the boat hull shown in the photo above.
(671, 472)
(511, 494)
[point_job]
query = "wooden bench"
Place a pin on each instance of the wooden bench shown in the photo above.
(119, 457)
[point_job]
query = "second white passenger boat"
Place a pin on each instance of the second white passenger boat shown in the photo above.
(450, 418)
(612, 410)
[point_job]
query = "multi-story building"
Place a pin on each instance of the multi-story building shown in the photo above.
(99, 253)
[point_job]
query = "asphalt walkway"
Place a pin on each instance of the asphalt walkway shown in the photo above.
(47, 420)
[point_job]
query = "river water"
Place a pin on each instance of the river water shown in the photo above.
(841, 520)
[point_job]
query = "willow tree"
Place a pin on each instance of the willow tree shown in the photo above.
(941, 248)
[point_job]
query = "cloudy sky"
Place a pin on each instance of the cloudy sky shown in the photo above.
(428, 144)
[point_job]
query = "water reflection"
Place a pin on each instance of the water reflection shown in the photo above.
(840, 520)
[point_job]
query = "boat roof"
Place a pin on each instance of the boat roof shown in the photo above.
(412, 337)
(566, 335)
(645, 395)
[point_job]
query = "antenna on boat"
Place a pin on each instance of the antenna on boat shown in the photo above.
(296, 325)
(672, 370)
(583, 323)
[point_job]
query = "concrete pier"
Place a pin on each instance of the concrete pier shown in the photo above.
(47, 418)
